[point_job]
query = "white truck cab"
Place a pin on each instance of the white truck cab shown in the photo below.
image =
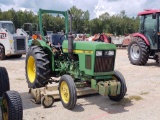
(11, 43)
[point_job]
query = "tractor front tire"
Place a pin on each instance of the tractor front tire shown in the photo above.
(119, 77)
(67, 92)
(37, 67)
(12, 108)
(2, 53)
(138, 51)
(4, 81)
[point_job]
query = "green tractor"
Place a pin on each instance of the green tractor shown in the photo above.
(10, 101)
(77, 63)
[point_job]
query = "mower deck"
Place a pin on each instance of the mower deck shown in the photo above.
(52, 90)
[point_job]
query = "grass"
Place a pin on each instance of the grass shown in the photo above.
(135, 97)
(128, 100)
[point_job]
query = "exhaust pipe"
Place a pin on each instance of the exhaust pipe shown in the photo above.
(70, 46)
(70, 15)
(70, 39)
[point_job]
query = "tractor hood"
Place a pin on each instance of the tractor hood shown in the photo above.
(89, 45)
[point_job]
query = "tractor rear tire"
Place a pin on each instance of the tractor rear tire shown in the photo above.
(37, 67)
(2, 53)
(67, 92)
(12, 106)
(138, 51)
(119, 77)
(4, 81)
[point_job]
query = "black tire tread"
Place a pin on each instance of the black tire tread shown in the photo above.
(3, 53)
(4, 81)
(143, 47)
(73, 93)
(123, 90)
(15, 107)
(42, 67)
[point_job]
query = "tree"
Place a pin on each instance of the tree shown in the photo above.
(80, 20)
(116, 24)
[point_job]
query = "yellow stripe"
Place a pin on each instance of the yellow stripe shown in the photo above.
(88, 52)
(80, 51)
(65, 50)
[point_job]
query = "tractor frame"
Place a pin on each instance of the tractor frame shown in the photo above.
(79, 64)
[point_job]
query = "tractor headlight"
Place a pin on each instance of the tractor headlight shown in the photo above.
(110, 53)
(98, 53)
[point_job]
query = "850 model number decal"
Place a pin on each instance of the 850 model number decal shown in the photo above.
(3, 35)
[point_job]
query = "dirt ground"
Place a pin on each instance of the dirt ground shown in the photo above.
(142, 101)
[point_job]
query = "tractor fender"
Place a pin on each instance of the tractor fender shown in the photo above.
(142, 36)
(41, 43)
(47, 49)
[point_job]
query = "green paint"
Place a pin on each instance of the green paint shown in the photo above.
(47, 50)
(84, 67)
(109, 87)
(89, 45)
(89, 48)
(94, 84)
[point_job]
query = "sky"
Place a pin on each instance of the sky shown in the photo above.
(95, 7)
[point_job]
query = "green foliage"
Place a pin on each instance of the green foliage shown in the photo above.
(80, 20)
(118, 24)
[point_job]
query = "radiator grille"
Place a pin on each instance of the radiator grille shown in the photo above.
(88, 62)
(104, 64)
(20, 44)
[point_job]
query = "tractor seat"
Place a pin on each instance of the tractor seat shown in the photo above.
(57, 40)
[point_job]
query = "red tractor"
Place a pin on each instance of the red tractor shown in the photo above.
(146, 43)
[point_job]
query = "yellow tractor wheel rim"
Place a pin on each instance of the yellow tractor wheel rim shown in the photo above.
(5, 113)
(31, 69)
(64, 91)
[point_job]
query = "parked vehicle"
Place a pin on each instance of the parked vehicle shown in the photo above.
(10, 101)
(146, 43)
(11, 43)
(78, 63)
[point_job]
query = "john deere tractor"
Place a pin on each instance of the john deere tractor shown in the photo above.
(146, 43)
(77, 63)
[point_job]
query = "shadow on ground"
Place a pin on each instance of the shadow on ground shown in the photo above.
(27, 103)
(153, 64)
(12, 58)
(104, 103)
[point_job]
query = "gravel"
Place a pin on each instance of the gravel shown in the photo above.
(140, 103)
